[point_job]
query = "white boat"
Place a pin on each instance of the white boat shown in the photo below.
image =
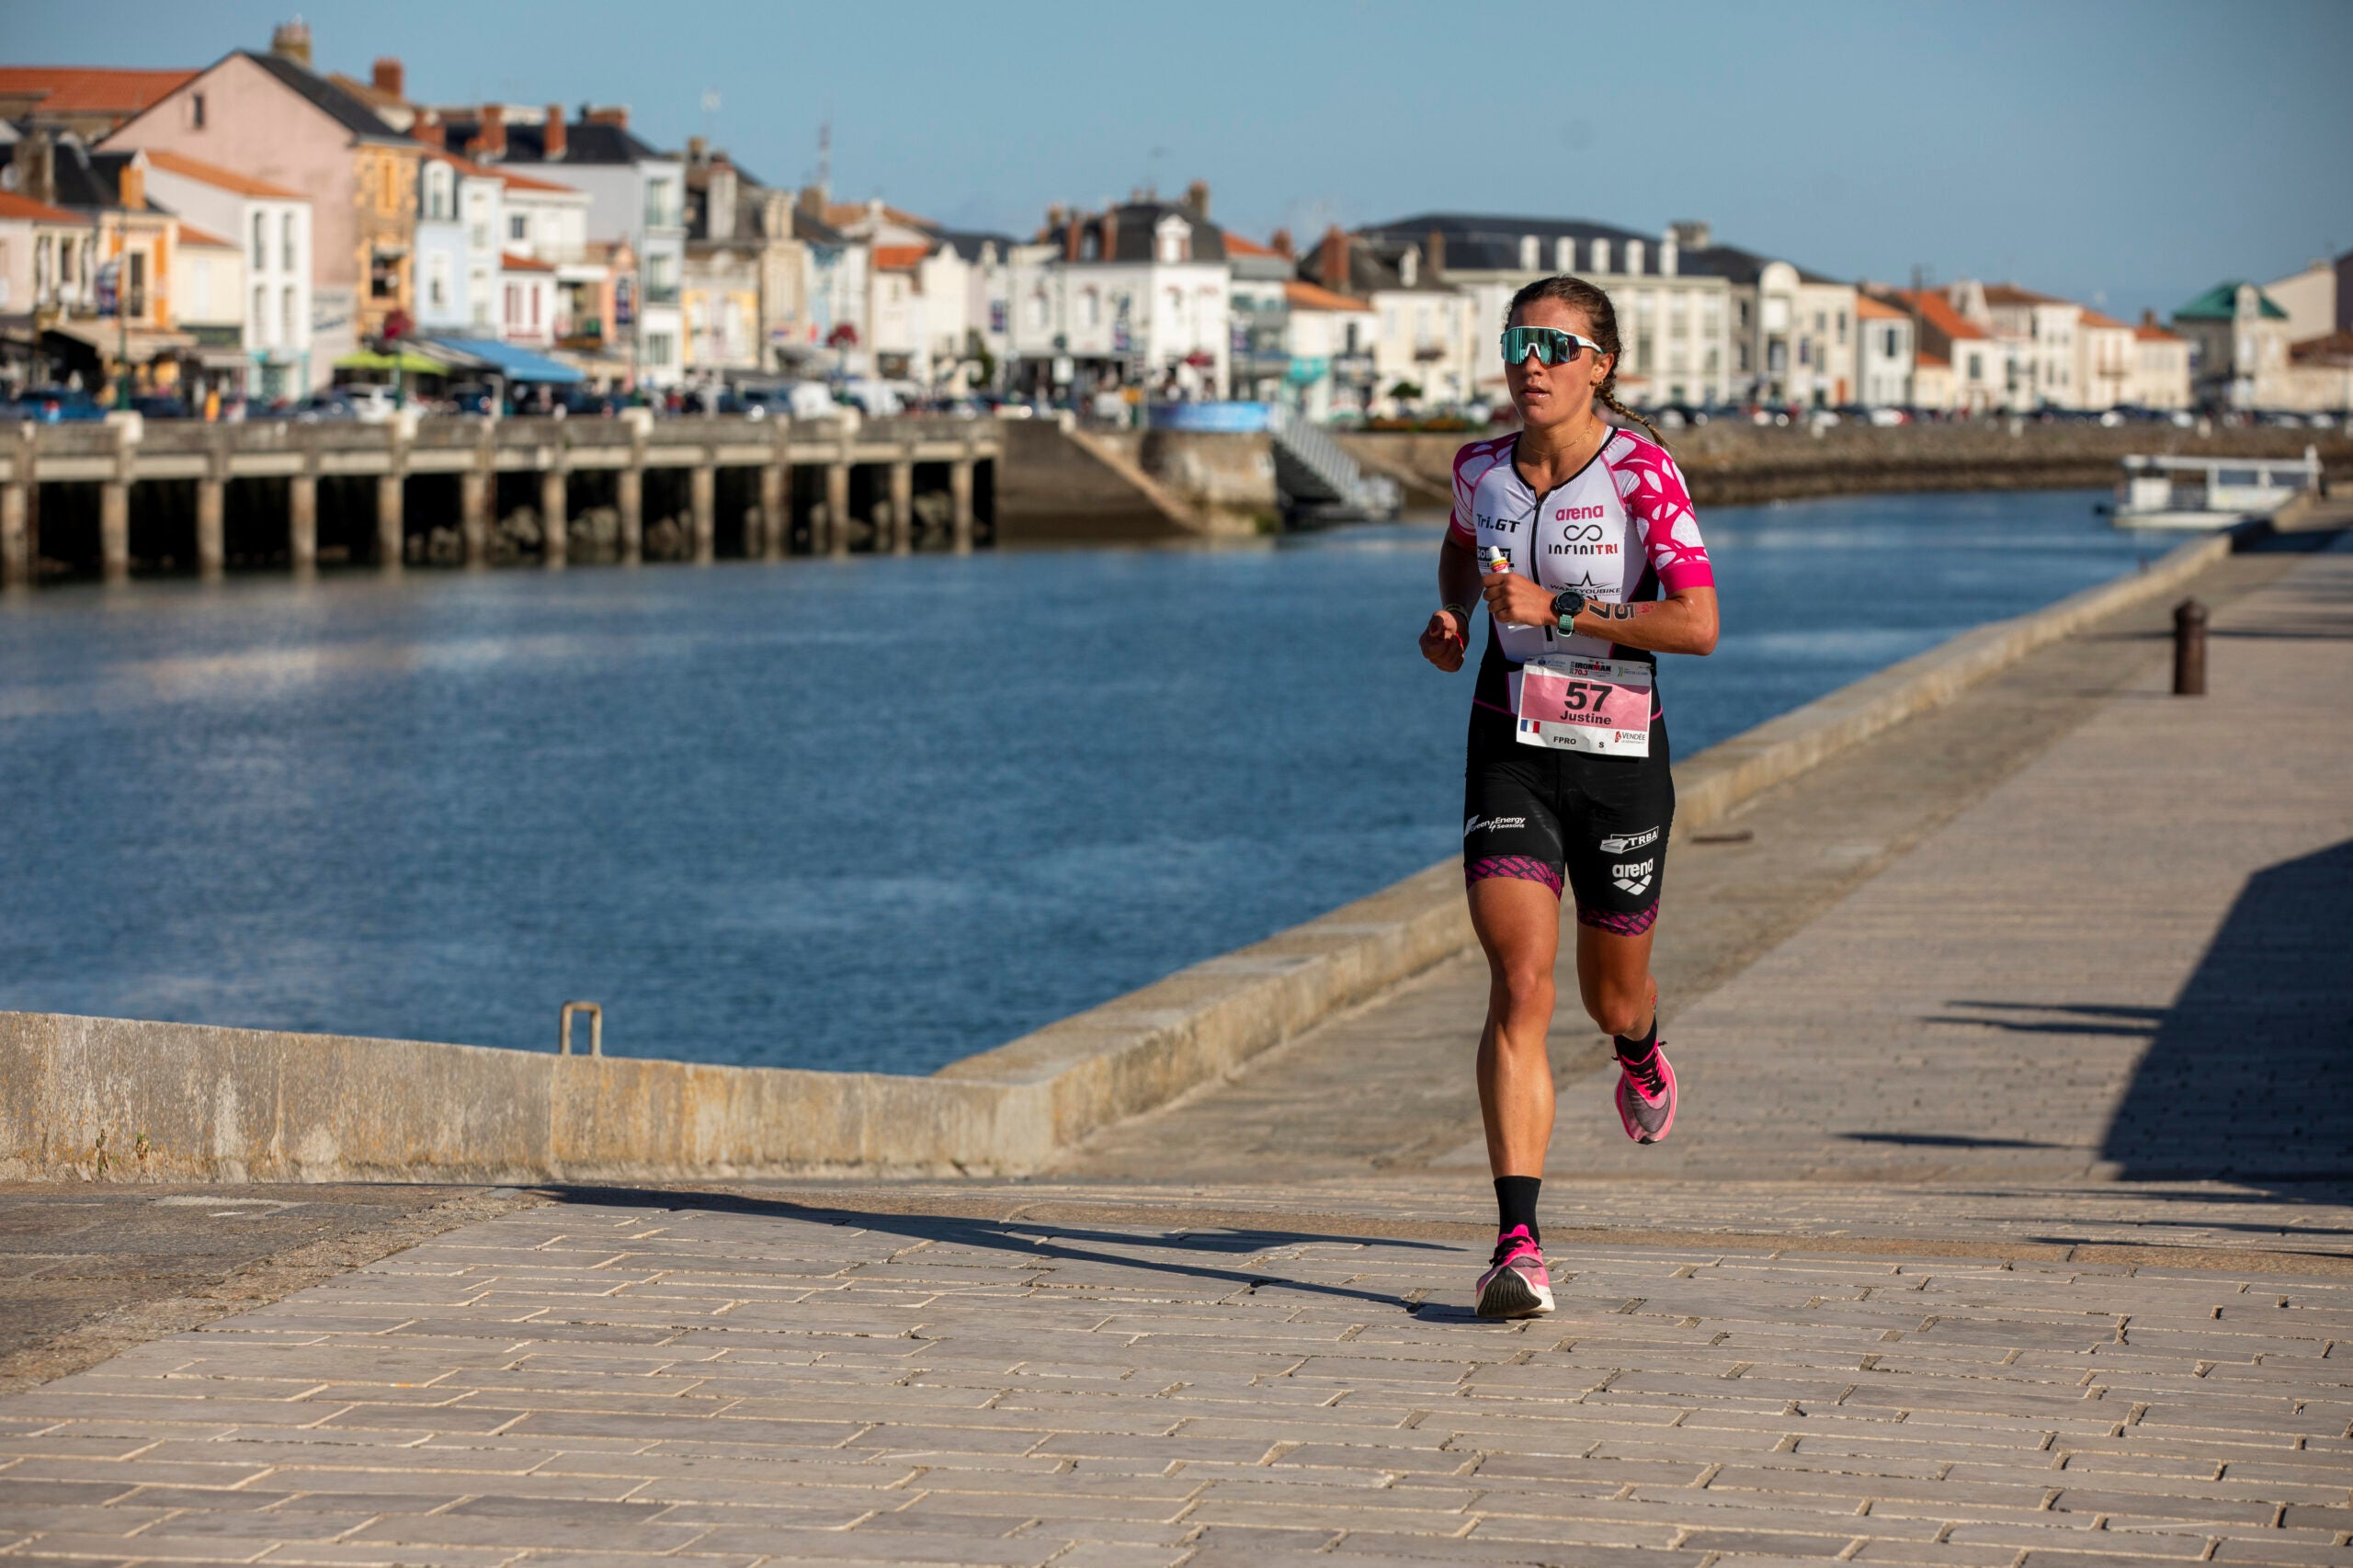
(2209, 492)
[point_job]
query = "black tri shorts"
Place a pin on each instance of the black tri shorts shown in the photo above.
(1537, 813)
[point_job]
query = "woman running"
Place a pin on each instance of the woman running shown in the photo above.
(1570, 530)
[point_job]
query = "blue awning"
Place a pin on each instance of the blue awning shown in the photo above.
(504, 358)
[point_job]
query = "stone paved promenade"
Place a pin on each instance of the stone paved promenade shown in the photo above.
(2009, 1224)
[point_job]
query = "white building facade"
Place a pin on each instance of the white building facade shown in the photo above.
(271, 226)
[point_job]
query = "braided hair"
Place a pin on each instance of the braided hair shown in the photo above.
(1581, 295)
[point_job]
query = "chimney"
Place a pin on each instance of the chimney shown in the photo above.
(35, 167)
(432, 132)
(1433, 251)
(388, 78)
(1691, 235)
(1336, 260)
(1110, 233)
(490, 138)
(812, 201)
(291, 40)
(1069, 238)
(697, 150)
(719, 200)
(608, 113)
(1281, 241)
(553, 135)
(131, 184)
(2148, 318)
(1197, 197)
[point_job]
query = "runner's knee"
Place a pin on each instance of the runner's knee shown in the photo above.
(1619, 1011)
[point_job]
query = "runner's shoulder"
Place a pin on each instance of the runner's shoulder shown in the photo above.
(1473, 459)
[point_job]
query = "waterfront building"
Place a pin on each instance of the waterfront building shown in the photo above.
(46, 259)
(1328, 339)
(1885, 363)
(1258, 317)
(2240, 354)
(2039, 332)
(1971, 370)
(114, 324)
(636, 199)
(1674, 319)
(2310, 298)
(212, 304)
(267, 340)
(745, 298)
(461, 219)
(838, 267)
(1134, 296)
(2160, 367)
(968, 278)
(1426, 348)
(2105, 355)
(82, 100)
(271, 116)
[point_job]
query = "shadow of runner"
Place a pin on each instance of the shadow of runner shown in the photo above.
(2249, 1074)
(1033, 1239)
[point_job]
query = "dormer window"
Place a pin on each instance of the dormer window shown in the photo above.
(1529, 252)
(1173, 241)
(1564, 254)
(1601, 256)
(1633, 255)
(1409, 266)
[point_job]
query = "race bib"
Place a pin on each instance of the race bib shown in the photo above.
(1592, 705)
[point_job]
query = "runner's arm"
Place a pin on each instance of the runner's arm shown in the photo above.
(1683, 623)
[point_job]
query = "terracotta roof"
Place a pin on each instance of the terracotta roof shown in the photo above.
(899, 258)
(524, 182)
(2335, 349)
(192, 235)
(2092, 318)
(1931, 362)
(1938, 312)
(1236, 245)
(1868, 309)
(26, 208)
(1311, 297)
(68, 88)
(2011, 294)
(2149, 332)
(214, 174)
(509, 262)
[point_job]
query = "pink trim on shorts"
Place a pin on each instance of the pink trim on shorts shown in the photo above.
(1621, 924)
(1519, 866)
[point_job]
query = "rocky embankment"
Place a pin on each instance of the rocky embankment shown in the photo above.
(1731, 465)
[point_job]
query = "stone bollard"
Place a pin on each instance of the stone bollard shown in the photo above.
(2189, 649)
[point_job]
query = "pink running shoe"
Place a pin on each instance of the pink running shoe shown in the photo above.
(1516, 1284)
(1647, 1097)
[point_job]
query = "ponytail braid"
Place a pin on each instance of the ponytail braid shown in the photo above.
(1583, 296)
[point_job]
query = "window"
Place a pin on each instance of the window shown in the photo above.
(1090, 308)
(1633, 255)
(1842, 327)
(261, 316)
(285, 332)
(1527, 253)
(478, 296)
(519, 228)
(1976, 367)
(658, 348)
(535, 292)
(437, 191)
(1564, 254)
(1601, 256)
(1038, 309)
(261, 242)
(285, 242)
(196, 111)
(436, 282)
(134, 294)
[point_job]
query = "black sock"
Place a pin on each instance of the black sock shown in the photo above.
(1637, 1052)
(1516, 1204)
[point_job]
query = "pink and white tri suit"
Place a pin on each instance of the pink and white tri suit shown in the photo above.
(1620, 531)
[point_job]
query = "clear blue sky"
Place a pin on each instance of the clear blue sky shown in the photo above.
(2130, 153)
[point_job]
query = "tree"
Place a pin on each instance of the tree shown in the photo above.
(1406, 392)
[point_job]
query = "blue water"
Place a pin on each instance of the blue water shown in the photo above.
(876, 814)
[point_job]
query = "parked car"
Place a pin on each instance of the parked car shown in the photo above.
(56, 406)
(1885, 418)
(368, 405)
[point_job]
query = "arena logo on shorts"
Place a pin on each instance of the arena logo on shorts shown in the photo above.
(1634, 877)
(1619, 843)
(1487, 825)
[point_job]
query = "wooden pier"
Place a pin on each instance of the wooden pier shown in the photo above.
(802, 486)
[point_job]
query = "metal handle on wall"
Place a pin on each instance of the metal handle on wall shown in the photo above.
(596, 1029)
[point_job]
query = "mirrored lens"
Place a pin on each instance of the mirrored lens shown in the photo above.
(1551, 344)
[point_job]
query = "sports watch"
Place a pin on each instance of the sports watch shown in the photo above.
(1564, 609)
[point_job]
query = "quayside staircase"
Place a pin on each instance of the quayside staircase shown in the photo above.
(1319, 482)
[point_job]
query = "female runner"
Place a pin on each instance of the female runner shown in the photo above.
(1570, 530)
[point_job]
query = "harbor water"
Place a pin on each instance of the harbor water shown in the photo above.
(875, 814)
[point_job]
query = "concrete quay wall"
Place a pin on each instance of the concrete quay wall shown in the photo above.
(1729, 463)
(127, 1100)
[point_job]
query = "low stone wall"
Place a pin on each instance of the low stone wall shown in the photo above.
(128, 1100)
(1731, 463)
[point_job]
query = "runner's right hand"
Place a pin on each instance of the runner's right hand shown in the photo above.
(1443, 640)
